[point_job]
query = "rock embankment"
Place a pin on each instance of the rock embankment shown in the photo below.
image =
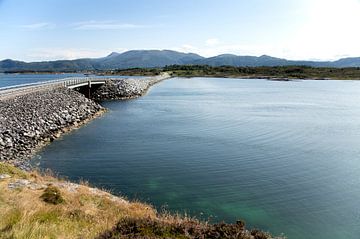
(30, 120)
(115, 89)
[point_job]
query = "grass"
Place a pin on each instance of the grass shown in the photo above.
(81, 214)
(12, 171)
(58, 211)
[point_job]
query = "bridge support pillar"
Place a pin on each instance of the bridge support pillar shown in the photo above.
(89, 86)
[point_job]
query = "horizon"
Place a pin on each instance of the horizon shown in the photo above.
(316, 30)
(107, 55)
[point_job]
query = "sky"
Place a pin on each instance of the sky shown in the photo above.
(38, 30)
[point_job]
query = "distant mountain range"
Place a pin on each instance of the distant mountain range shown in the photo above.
(157, 58)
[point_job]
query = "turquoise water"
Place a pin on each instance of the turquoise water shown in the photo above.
(284, 156)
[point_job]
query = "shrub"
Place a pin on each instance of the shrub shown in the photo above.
(156, 229)
(52, 195)
(257, 234)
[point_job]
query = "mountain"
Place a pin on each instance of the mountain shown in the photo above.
(157, 58)
(64, 65)
(348, 62)
(147, 58)
(233, 60)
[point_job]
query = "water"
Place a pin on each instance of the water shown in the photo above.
(284, 156)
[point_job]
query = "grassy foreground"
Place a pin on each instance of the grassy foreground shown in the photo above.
(41, 206)
(83, 212)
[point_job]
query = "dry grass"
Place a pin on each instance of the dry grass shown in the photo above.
(83, 214)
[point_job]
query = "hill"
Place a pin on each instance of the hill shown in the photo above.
(129, 59)
(161, 58)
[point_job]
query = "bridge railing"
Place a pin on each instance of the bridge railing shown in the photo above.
(65, 82)
(49, 82)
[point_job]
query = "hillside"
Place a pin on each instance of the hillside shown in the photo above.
(129, 59)
(157, 58)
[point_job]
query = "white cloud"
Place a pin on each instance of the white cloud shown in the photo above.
(38, 26)
(330, 31)
(48, 54)
(106, 25)
(212, 42)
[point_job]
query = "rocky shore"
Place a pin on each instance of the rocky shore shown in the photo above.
(117, 89)
(32, 119)
(39, 205)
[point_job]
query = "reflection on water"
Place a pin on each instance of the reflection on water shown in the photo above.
(284, 156)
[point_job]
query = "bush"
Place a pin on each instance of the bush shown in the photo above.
(52, 195)
(156, 229)
(257, 234)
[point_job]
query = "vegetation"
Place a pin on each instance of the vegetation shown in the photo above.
(179, 228)
(267, 72)
(52, 195)
(84, 212)
(135, 72)
(12, 171)
(62, 209)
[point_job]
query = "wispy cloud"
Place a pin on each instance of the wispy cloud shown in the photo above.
(107, 25)
(66, 53)
(38, 26)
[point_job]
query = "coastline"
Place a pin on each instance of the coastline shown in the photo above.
(36, 205)
(29, 184)
(58, 134)
(32, 120)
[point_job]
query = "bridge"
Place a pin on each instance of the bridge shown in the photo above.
(84, 85)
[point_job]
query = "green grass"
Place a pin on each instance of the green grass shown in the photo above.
(50, 217)
(11, 170)
(9, 220)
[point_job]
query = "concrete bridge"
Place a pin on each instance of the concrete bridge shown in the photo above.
(84, 85)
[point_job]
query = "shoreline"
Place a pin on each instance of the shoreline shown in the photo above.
(80, 124)
(27, 184)
(61, 132)
(172, 74)
(270, 78)
(38, 205)
(31, 121)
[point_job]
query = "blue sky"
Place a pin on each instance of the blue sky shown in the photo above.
(34, 30)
